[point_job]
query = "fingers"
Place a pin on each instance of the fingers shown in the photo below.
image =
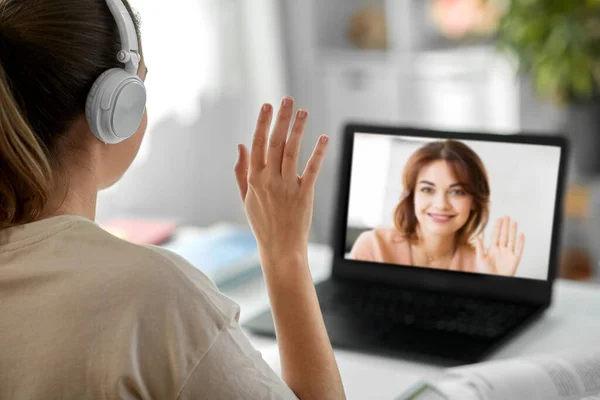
(289, 165)
(503, 241)
(520, 246)
(279, 136)
(479, 250)
(313, 167)
(241, 170)
(496, 233)
(482, 264)
(512, 235)
(259, 141)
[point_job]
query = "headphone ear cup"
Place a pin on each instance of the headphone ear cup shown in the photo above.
(92, 104)
(115, 105)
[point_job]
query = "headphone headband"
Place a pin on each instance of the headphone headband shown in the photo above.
(129, 54)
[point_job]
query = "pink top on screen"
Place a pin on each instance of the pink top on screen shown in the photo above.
(387, 245)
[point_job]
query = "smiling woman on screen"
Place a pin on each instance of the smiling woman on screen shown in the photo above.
(441, 215)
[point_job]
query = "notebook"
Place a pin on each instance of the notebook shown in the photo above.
(560, 376)
(226, 253)
(404, 192)
(141, 231)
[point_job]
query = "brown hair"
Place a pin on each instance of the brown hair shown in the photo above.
(470, 171)
(51, 52)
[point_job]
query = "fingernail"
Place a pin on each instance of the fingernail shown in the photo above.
(239, 149)
(266, 107)
(286, 102)
(324, 139)
(302, 114)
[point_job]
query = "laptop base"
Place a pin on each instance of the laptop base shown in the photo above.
(383, 336)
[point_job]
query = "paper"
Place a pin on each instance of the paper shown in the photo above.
(450, 389)
(567, 376)
(423, 391)
(551, 377)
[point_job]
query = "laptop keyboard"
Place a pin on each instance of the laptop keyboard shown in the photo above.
(430, 311)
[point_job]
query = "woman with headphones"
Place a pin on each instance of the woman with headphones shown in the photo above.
(85, 315)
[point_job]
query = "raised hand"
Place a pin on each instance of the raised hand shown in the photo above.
(505, 251)
(279, 206)
(278, 202)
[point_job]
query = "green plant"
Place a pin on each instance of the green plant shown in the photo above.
(557, 42)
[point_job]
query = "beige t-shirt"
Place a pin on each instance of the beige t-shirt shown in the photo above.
(85, 315)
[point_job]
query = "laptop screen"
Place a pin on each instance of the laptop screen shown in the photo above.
(469, 206)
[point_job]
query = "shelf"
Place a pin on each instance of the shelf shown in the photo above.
(354, 54)
(332, 18)
(409, 29)
(458, 63)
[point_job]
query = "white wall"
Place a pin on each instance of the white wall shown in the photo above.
(211, 63)
(523, 185)
(315, 32)
(209, 73)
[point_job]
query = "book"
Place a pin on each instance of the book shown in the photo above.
(226, 253)
(561, 376)
(141, 231)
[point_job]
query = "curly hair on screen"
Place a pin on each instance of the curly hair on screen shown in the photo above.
(470, 172)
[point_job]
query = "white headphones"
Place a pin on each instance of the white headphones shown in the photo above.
(116, 103)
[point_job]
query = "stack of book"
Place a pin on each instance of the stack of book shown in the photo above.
(226, 253)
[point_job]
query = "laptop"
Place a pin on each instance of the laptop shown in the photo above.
(393, 289)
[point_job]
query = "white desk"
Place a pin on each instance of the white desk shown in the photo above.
(572, 322)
